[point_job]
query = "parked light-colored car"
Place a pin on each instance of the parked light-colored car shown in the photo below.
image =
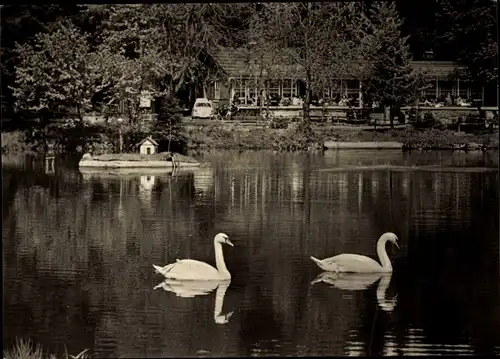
(202, 108)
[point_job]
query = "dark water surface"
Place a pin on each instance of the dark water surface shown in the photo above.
(79, 248)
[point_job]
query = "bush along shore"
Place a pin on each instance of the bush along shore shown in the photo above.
(24, 349)
(294, 136)
(237, 136)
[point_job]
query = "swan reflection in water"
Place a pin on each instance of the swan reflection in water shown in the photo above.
(192, 288)
(361, 281)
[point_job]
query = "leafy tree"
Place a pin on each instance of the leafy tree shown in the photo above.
(54, 74)
(419, 22)
(390, 77)
(56, 78)
(471, 26)
(322, 39)
(261, 48)
(154, 49)
(169, 129)
(20, 23)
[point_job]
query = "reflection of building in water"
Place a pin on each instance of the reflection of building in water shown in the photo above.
(203, 179)
(231, 190)
(147, 182)
(375, 184)
(406, 183)
(297, 182)
(146, 187)
(360, 191)
(343, 187)
(436, 187)
(121, 209)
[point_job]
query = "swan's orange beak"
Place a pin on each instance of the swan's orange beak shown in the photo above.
(396, 244)
(229, 242)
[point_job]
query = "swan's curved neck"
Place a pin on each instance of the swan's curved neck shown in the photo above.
(219, 261)
(382, 255)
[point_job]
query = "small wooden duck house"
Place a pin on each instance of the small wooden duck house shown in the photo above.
(148, 146)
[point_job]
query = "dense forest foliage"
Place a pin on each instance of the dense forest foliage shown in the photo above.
(68, 60)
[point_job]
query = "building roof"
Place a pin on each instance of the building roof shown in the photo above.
(242, 63)
(150, 139)
(438, 68)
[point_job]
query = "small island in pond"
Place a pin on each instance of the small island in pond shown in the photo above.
(146, 158)
(136, 160)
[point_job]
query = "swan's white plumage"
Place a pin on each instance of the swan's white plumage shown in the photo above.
(356, 263)
(190, 269)
(348, 262)
(189, 288)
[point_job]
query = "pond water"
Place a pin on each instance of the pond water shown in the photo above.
(79, 248)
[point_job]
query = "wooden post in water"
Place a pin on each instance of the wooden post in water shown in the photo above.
(49, 164)
(49, 159)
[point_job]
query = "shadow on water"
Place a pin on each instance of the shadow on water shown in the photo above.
(79, 252)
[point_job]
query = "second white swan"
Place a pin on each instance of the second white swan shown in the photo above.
(190, 269)
(355, 263)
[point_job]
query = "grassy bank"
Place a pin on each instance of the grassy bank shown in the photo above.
(428, 139)
(216, 135)
(24, 349)
(235, 136)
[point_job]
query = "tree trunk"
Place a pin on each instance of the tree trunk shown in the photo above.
(307, 103)
(120, 139)
(169, 135)
(79, 114)
(267, 102)
(43, 129)
(261, 101)
(260, 96)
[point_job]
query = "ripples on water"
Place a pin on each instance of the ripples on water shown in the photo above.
(78, 250)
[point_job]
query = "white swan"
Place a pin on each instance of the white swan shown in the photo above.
(190, 269)
(355, 263)
(189, 289)
(361, 281)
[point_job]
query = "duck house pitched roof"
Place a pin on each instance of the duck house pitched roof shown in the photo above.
(150, 139)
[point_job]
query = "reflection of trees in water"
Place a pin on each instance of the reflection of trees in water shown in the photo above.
(27, 172)
(331, 313)
(101, 236)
